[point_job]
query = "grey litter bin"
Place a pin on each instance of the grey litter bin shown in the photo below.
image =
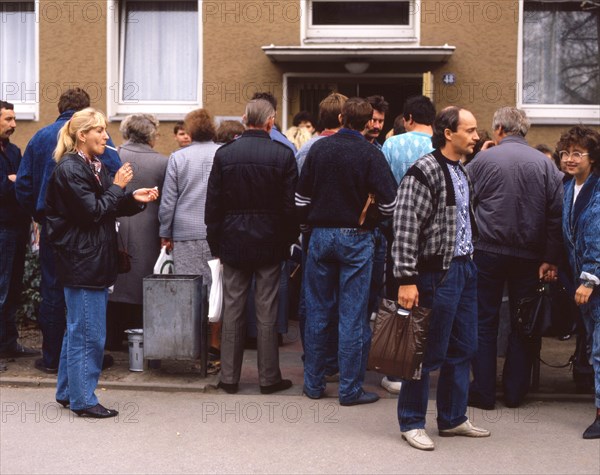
(175, 317)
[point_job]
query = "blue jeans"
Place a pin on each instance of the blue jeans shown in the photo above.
(338, 273)
(83, 347)
(331, 357)
(451, 344)
(13, 240)
(590, 313)
(51, 317)
(522, 277)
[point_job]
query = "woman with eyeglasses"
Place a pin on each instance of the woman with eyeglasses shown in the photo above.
(579, 152)
(82, 204)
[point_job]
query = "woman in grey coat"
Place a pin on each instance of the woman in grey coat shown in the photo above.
(139, 234)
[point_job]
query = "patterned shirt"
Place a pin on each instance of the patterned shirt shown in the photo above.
(401, 151)
(464, 240)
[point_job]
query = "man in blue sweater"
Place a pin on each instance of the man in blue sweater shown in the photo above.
(30, 188)
(339, 174)
(14, 228)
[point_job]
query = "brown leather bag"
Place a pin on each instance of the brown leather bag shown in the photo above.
(399, 340)
(368, 204)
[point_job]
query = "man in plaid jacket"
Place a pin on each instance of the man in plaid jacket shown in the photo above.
(434, 231)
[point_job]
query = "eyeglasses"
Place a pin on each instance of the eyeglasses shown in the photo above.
(575, 156)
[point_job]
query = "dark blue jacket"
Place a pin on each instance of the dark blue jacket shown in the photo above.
(37, 166)
(10, 211)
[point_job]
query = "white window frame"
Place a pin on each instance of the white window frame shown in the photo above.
(28, 109)
(117, 106)
(550, 114)
(409, 34)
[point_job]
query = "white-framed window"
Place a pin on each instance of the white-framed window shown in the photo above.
(558, 68)
(19, 55)
(154, 57)
(360, 21)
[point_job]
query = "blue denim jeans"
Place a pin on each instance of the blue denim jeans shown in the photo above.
(451, 344)
(338, 273)
(331, 357)
(13, 240)
(83, 347)
(51, 318)
(522, 277)
(590, 313)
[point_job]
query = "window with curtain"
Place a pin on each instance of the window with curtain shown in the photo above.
(561, 59)
(360, 19)
(17, 52)
(159, 52)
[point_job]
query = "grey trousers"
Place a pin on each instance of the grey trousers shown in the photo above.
(236, 285)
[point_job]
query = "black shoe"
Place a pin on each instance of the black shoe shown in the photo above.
(229, 388)
(273, 388)
(474, 402)
(250, 343)
(19, 351)
(107, 361)
(96, 412)
(39, 364)
(63, 402)
(364, 398)
(593, 431)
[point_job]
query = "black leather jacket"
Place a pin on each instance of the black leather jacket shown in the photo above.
(80, 220)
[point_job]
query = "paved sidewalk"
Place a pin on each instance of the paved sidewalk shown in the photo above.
(555, 384)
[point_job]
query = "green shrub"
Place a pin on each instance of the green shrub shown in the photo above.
(30, 297)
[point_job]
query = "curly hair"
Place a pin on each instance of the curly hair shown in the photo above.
(199, 125)
(140, 128)
(585, 138)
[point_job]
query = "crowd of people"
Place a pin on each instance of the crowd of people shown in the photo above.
(436, 215)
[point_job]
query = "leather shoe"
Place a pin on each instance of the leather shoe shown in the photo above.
(273, 388)
(229, 388)
(418, 439)
(19, 351)
(63, 402)
(39, 364)
(96, 412)
(364, 398)
(466, 429)
(593, 431)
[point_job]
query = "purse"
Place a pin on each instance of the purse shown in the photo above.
(534, 313)
(399, 340)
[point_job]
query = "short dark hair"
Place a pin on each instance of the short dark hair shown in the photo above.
(378, 103)
(75, 99)
(228, 130)
(267, 96)
(399, 125)
(178, 126)
(542, 147)
(329, 110)
(199, 125)
(584, 137)
(6, 105)
(420, 108)
(356, 112)
(303, 116)
(448, 118)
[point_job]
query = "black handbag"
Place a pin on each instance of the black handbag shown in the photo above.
(534, 314)
(399, 340)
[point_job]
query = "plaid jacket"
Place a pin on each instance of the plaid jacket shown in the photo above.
(425, 219)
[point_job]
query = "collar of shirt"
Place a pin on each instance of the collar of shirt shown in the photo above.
(356, 133)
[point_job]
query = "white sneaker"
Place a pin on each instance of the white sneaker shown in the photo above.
(466, 429)
(418, 439)
(392, 387)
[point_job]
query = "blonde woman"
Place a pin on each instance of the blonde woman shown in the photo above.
(82, 203)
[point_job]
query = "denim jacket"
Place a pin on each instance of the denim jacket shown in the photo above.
(581, 230)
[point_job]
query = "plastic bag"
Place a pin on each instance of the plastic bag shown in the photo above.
(215, 299)
(399, 340)
(164, 263)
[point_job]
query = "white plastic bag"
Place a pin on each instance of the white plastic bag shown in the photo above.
(215, 299)
(164, 263)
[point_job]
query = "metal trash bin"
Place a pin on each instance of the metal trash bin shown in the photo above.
(175, 317)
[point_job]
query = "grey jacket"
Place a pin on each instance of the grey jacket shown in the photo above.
(181, 211)
(518, 201)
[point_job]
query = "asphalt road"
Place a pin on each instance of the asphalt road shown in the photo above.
(160, 432)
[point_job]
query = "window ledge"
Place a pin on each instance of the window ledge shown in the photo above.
(562, 114)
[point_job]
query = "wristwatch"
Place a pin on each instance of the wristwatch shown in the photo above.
(588, 284)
